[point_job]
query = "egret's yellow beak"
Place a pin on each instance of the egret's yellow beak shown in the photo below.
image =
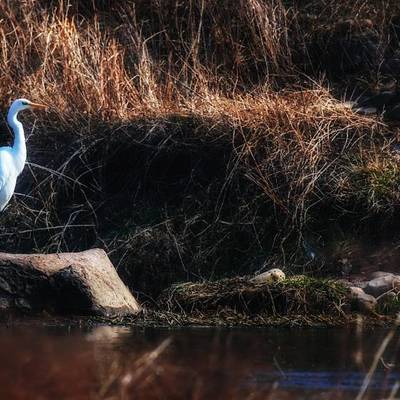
(38, 106)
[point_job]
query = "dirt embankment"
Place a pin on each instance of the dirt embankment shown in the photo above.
(198, 141)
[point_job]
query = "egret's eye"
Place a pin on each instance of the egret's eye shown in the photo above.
(24, 103)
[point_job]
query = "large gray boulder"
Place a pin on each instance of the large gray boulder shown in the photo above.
(73, 283)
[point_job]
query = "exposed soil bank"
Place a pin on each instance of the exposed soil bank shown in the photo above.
(200, 141)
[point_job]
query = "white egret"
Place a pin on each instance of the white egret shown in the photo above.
(12, 159)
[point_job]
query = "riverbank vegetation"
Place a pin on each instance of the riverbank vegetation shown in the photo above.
(298, 301)
(198, 140)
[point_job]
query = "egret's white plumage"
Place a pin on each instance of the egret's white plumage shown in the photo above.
(12, 159)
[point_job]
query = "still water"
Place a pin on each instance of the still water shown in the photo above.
(53, 360)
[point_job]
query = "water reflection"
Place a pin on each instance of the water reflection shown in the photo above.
(69, 362)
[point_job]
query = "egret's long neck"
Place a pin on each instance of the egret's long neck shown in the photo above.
(19, 147)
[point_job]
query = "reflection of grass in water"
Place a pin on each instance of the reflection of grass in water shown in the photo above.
(154, 375)
(393, 334)
(122, 375)
(151, 376)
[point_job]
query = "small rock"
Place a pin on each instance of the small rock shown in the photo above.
(382, 284)
(364, 302)
(273, 275)
(379, 274)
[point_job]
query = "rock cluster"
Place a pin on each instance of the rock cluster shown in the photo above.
(383, 288)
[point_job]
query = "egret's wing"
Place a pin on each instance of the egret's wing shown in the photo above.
(5, 166)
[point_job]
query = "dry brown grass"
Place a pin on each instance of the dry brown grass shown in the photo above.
(179, 131)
